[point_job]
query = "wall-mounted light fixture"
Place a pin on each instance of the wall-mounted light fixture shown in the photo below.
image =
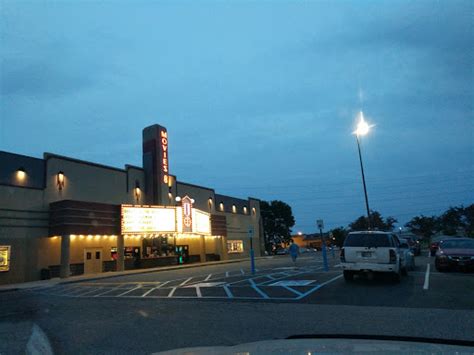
(138, 192)
(245, 210)
(221, 206)
(21, 174)
(60, 180)
(234, 209)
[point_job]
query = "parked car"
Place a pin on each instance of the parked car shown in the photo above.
(281, 251)
(409, 254)
(435, 242)
(455, 254)
(371, 251)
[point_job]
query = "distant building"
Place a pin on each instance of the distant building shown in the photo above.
(61, 216)
(311, 240)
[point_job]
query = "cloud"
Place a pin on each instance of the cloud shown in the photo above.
(43, 77)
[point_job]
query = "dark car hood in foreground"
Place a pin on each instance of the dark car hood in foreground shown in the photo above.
(460, 252)
(317, 346)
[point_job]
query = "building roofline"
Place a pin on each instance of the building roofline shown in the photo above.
(128, 166)
(74, 160)
(21, 155)
(232, 198)
(194, 185)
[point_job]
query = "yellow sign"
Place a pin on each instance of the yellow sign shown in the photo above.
(147, 219)
(4, 258)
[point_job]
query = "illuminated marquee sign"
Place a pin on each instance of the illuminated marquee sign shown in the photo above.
(147, 219)
(164, 155)
(4, 258)
(157, 219)
(201, 222)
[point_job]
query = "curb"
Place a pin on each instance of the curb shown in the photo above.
(112, 274)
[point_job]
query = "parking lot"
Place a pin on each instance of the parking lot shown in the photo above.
(224, 304)
(278, 280)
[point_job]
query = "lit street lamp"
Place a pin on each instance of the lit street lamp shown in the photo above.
(362, 129)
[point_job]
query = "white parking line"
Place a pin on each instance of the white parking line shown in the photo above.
(292, 290)
(107, 291)
(147, 292)
(124, 293)
(426, 285)
(198, 292)
(164, 283)
(185, 281)
(208, 277)
(227, 274)
(227, 291)
(260, 292)
(172, 292)
(80, 294)
(318, 287)
(242, 271)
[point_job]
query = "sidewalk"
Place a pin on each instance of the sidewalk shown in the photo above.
(111, 274)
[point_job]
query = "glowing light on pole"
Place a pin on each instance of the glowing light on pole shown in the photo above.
(362, 129)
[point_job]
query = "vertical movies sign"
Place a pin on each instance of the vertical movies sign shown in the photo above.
(187, 204)
(164, 155)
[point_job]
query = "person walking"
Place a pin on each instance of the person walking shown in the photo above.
(294, 251)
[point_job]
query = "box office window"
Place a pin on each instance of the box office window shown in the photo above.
(235, 246)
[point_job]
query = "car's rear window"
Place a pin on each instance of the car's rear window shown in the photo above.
(457, 244)
(367, 240)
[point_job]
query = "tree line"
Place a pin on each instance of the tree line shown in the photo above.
(457, 220)
(278, 219)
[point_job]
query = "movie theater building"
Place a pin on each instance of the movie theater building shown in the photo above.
(61, 216)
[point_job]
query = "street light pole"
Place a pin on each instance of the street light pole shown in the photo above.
(362, 129)
(363, 182)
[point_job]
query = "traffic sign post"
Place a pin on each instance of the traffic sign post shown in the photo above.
(252, 255)
(320, 224)
(332, 245)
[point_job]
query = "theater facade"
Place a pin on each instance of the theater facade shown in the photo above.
(61, 216)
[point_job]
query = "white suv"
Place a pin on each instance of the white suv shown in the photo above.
(372, 251)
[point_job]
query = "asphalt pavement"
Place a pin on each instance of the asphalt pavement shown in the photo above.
(226, 304)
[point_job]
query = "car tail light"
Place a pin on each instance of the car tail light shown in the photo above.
(343, 255)
(393, 256)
